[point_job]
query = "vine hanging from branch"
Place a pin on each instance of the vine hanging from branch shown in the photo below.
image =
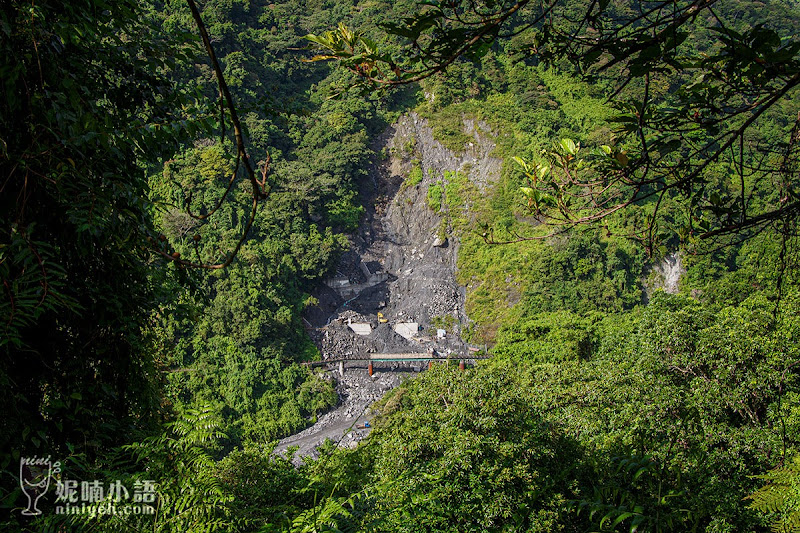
(259, 186)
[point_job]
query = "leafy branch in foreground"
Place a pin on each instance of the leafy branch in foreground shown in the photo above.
(694, 92)
(438, 36)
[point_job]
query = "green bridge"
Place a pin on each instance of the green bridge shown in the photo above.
(397, 357)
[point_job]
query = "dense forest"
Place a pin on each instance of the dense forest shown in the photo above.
(178, 179)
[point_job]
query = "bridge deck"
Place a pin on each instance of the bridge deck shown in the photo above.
(398, 357)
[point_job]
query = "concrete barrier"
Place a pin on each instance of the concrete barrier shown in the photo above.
(360, 329)
(407, 329)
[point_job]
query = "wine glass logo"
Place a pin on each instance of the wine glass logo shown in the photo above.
(34, 478)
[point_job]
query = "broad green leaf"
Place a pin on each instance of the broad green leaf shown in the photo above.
(569, 146)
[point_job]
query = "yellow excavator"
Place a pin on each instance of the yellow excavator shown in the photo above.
(382, 319)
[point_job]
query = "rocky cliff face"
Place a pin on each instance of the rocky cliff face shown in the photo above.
(412, 138)
(665, 275)
(420, 254)
(402, 262)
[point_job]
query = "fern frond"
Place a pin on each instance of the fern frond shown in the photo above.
(781, 497)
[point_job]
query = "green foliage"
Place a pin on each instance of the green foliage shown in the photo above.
(414, 177)
(445, 322)
(780, 496)
(448, 128)
(579, 273)
(179, 461)
(692, 92)
(548, 337)
(332, 514)
(112, 338)
(344, 213)
(190, 496)
(238, 352)
(267, 490)
(435, 195)
(75, 129)
(662, 426)
(470, 457)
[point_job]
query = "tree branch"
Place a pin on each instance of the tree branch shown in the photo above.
(259, 188)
